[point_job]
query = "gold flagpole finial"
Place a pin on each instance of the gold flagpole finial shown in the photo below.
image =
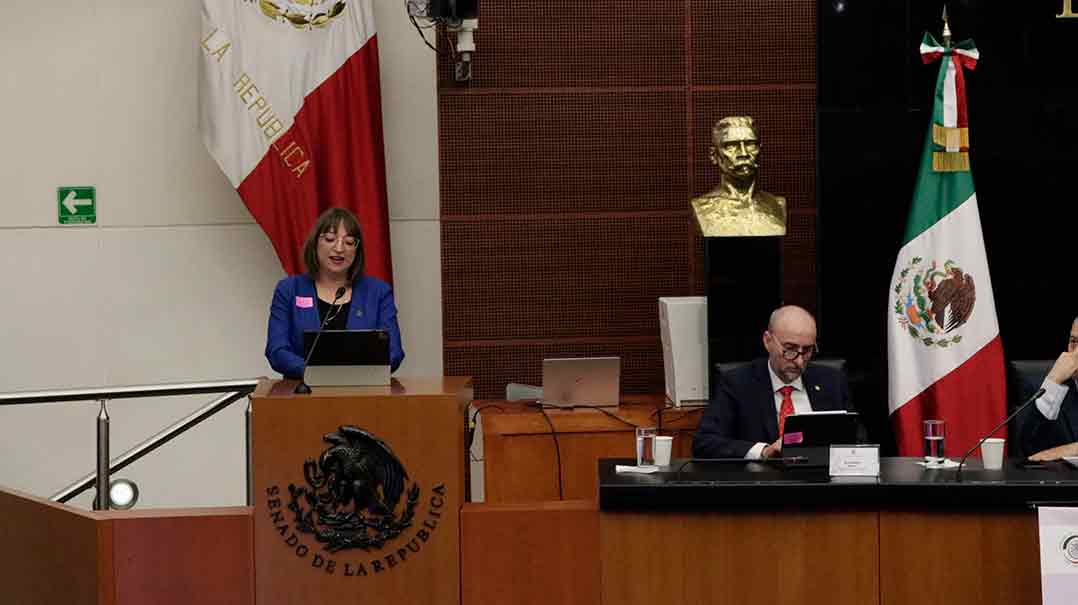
(946, 28)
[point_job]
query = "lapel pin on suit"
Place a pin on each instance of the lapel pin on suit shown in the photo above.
(359, 312)
(816, 387)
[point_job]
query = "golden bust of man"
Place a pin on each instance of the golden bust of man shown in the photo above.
(735, 208)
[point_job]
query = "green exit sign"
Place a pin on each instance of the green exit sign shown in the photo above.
(76, 205)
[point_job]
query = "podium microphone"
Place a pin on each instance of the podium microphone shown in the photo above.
(302, 388)
(1036, 396)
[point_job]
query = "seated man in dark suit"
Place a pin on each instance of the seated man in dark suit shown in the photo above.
(1050, 426)
(746, 416)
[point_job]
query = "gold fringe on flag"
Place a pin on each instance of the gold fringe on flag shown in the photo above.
(950, 161)
(950, 138)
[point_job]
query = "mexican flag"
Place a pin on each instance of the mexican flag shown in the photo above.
(290, 107)
(944, 351)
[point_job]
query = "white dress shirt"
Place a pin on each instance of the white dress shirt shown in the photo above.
(801, 405)
(1052, 400)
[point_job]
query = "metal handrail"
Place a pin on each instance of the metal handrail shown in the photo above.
(129, 392)
(233, 390)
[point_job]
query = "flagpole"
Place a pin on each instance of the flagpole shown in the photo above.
(946, 28)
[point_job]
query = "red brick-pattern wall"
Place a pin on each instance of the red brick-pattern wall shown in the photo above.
(568, 162)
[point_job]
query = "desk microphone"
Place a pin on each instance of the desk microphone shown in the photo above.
(1036, 396)
(302, 388)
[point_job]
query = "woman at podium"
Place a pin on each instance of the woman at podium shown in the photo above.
(334, 290)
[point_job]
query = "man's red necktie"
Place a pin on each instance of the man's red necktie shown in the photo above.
(786, 408)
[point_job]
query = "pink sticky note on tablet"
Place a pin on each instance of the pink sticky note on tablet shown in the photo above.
(304, 302)
(788, 438)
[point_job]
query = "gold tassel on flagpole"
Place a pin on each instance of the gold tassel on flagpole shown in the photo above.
(950, 161)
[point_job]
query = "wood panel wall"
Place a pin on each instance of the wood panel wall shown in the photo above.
(539, 553)
(568, 162)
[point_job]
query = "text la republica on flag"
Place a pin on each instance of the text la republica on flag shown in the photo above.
(290, 108)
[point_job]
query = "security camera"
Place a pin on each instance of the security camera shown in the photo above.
(453, 10)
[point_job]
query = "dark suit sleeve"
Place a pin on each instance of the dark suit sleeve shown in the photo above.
(834, 394)
(714, 437)
(844, 390)
(1037, 433)
(846, 401)
(279, 351)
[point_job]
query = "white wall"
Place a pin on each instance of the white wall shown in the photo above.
(173, 283)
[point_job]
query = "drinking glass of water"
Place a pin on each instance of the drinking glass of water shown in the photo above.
(645, 446)
(934, 434)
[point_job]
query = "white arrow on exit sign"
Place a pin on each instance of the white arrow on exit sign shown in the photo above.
(72, 204)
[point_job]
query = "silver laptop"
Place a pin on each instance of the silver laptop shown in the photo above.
(347, 358)
(583, 381)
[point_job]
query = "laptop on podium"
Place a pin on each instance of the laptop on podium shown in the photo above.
(347, 358)
(582, 381)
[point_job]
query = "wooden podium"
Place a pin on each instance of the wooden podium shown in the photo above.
(56, 553)
(395, 454)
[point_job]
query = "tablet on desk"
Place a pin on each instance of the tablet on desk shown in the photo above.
(347, 358)
(812, 435)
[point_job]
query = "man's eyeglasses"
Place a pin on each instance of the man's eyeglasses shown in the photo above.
(1073, 340)
(791, 352)
(348, 240)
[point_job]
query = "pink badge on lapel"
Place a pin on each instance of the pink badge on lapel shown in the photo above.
(304, 302)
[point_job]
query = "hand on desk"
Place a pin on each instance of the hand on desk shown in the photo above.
(773, 450)
(1055, 453)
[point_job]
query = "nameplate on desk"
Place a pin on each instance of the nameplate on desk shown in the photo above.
(855, 460)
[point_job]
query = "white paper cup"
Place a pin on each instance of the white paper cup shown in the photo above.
(663, 445)
(992, 453)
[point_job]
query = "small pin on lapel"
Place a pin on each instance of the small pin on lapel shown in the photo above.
(359, 313)
(817, 387)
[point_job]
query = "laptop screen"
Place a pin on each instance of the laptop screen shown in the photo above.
(348, 348)
(591, 381)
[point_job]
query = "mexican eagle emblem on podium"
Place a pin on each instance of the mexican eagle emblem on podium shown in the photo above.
(352, 493)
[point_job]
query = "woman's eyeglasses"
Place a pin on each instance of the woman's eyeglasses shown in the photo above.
(349, 241)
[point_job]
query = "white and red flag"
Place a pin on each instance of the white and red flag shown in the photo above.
(290, 108)
(945, 357)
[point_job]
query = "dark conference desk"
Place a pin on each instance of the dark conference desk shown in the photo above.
(755, 533)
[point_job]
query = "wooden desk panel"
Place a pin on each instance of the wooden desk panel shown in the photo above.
(545, 553)
(788, 557)
(202, 556)
(62, 554)
(53, 553)
(909, 537)
(520, 456)
(511, 552)
(959, 558)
